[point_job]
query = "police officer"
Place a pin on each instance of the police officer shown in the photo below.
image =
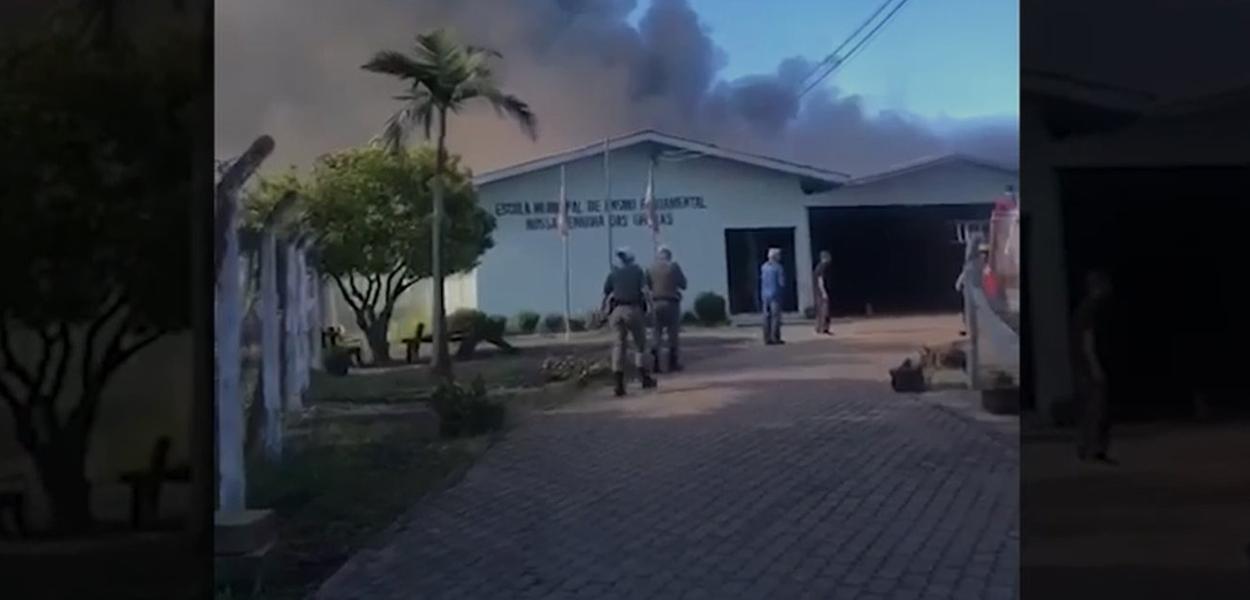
(625, 294)
(667, 281)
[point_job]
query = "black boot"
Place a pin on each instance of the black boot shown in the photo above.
(620, 383)
(648, 382)
(674, 365)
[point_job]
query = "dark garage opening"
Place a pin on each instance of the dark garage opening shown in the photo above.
(898, 259)
(1172, 243)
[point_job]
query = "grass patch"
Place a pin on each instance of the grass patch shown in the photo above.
(335, 491)
(414, 383)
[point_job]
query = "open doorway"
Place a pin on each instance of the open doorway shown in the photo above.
(745, 251)
(893, 259)
(1166, 238)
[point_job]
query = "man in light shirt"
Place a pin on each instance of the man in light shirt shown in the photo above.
(772, 286)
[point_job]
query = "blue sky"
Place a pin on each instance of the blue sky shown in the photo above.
(952, 58)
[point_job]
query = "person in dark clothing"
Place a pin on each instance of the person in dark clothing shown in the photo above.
(821, 279)
(625, 296)
(1091, 346)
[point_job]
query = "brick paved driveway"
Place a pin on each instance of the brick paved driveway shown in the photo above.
(789, 472)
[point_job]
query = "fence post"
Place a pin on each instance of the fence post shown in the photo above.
(316, 326)
(291, 388)
(271, 329)
(301, 316)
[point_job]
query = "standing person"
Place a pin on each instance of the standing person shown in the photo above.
(820, 291)
(667, 282)
(974, 265)
(772, 285)
(624, 293)
(1091, 351)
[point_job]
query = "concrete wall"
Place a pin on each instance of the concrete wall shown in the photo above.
(955, 182)
(524, 270)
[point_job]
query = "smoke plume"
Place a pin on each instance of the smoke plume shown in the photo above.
(291, 68)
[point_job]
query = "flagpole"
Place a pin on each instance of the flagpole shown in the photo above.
(653, 211)
(564, 212)
(653, 216)
(607, 197)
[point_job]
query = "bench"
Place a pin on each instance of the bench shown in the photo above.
(13, 502)
(332, 337)
(467, 339)
(145, 485)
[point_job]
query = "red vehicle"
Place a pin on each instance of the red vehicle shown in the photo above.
(1000, 280)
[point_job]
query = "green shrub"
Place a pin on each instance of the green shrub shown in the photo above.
(576, 324)
(553, 323)
(466, 410)
(689, 318)
(496, 326)
(527, 321)
(465, 319)
(476, 321)
(710, 309)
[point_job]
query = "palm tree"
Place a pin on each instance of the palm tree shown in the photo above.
(442, 77)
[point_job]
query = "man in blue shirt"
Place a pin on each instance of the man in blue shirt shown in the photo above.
(772, 284)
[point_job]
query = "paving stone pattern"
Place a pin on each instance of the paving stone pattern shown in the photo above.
(789, 472)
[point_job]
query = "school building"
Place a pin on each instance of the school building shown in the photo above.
(892, 234)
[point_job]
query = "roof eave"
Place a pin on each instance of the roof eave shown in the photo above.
(825, 175)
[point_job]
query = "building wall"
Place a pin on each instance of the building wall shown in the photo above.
(954, 182)
(524, 269)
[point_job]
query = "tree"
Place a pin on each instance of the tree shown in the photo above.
(442, 77)
(368, 210)
(96, 226)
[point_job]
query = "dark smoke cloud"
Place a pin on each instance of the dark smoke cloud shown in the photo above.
(290, 68)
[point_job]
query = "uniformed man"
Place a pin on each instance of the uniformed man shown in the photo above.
(667, 282)
(625, 295)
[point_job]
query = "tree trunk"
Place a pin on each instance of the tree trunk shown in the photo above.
(379, 345)
(62, 470)
(441, 364)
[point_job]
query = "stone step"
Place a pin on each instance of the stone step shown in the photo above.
(238, 533)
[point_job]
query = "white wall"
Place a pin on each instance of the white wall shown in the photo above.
(523, 270)
(955, 182)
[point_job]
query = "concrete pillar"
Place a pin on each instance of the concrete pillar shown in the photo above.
(271, 339)
(1048, 284)
(232, 480)
(293, 397)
